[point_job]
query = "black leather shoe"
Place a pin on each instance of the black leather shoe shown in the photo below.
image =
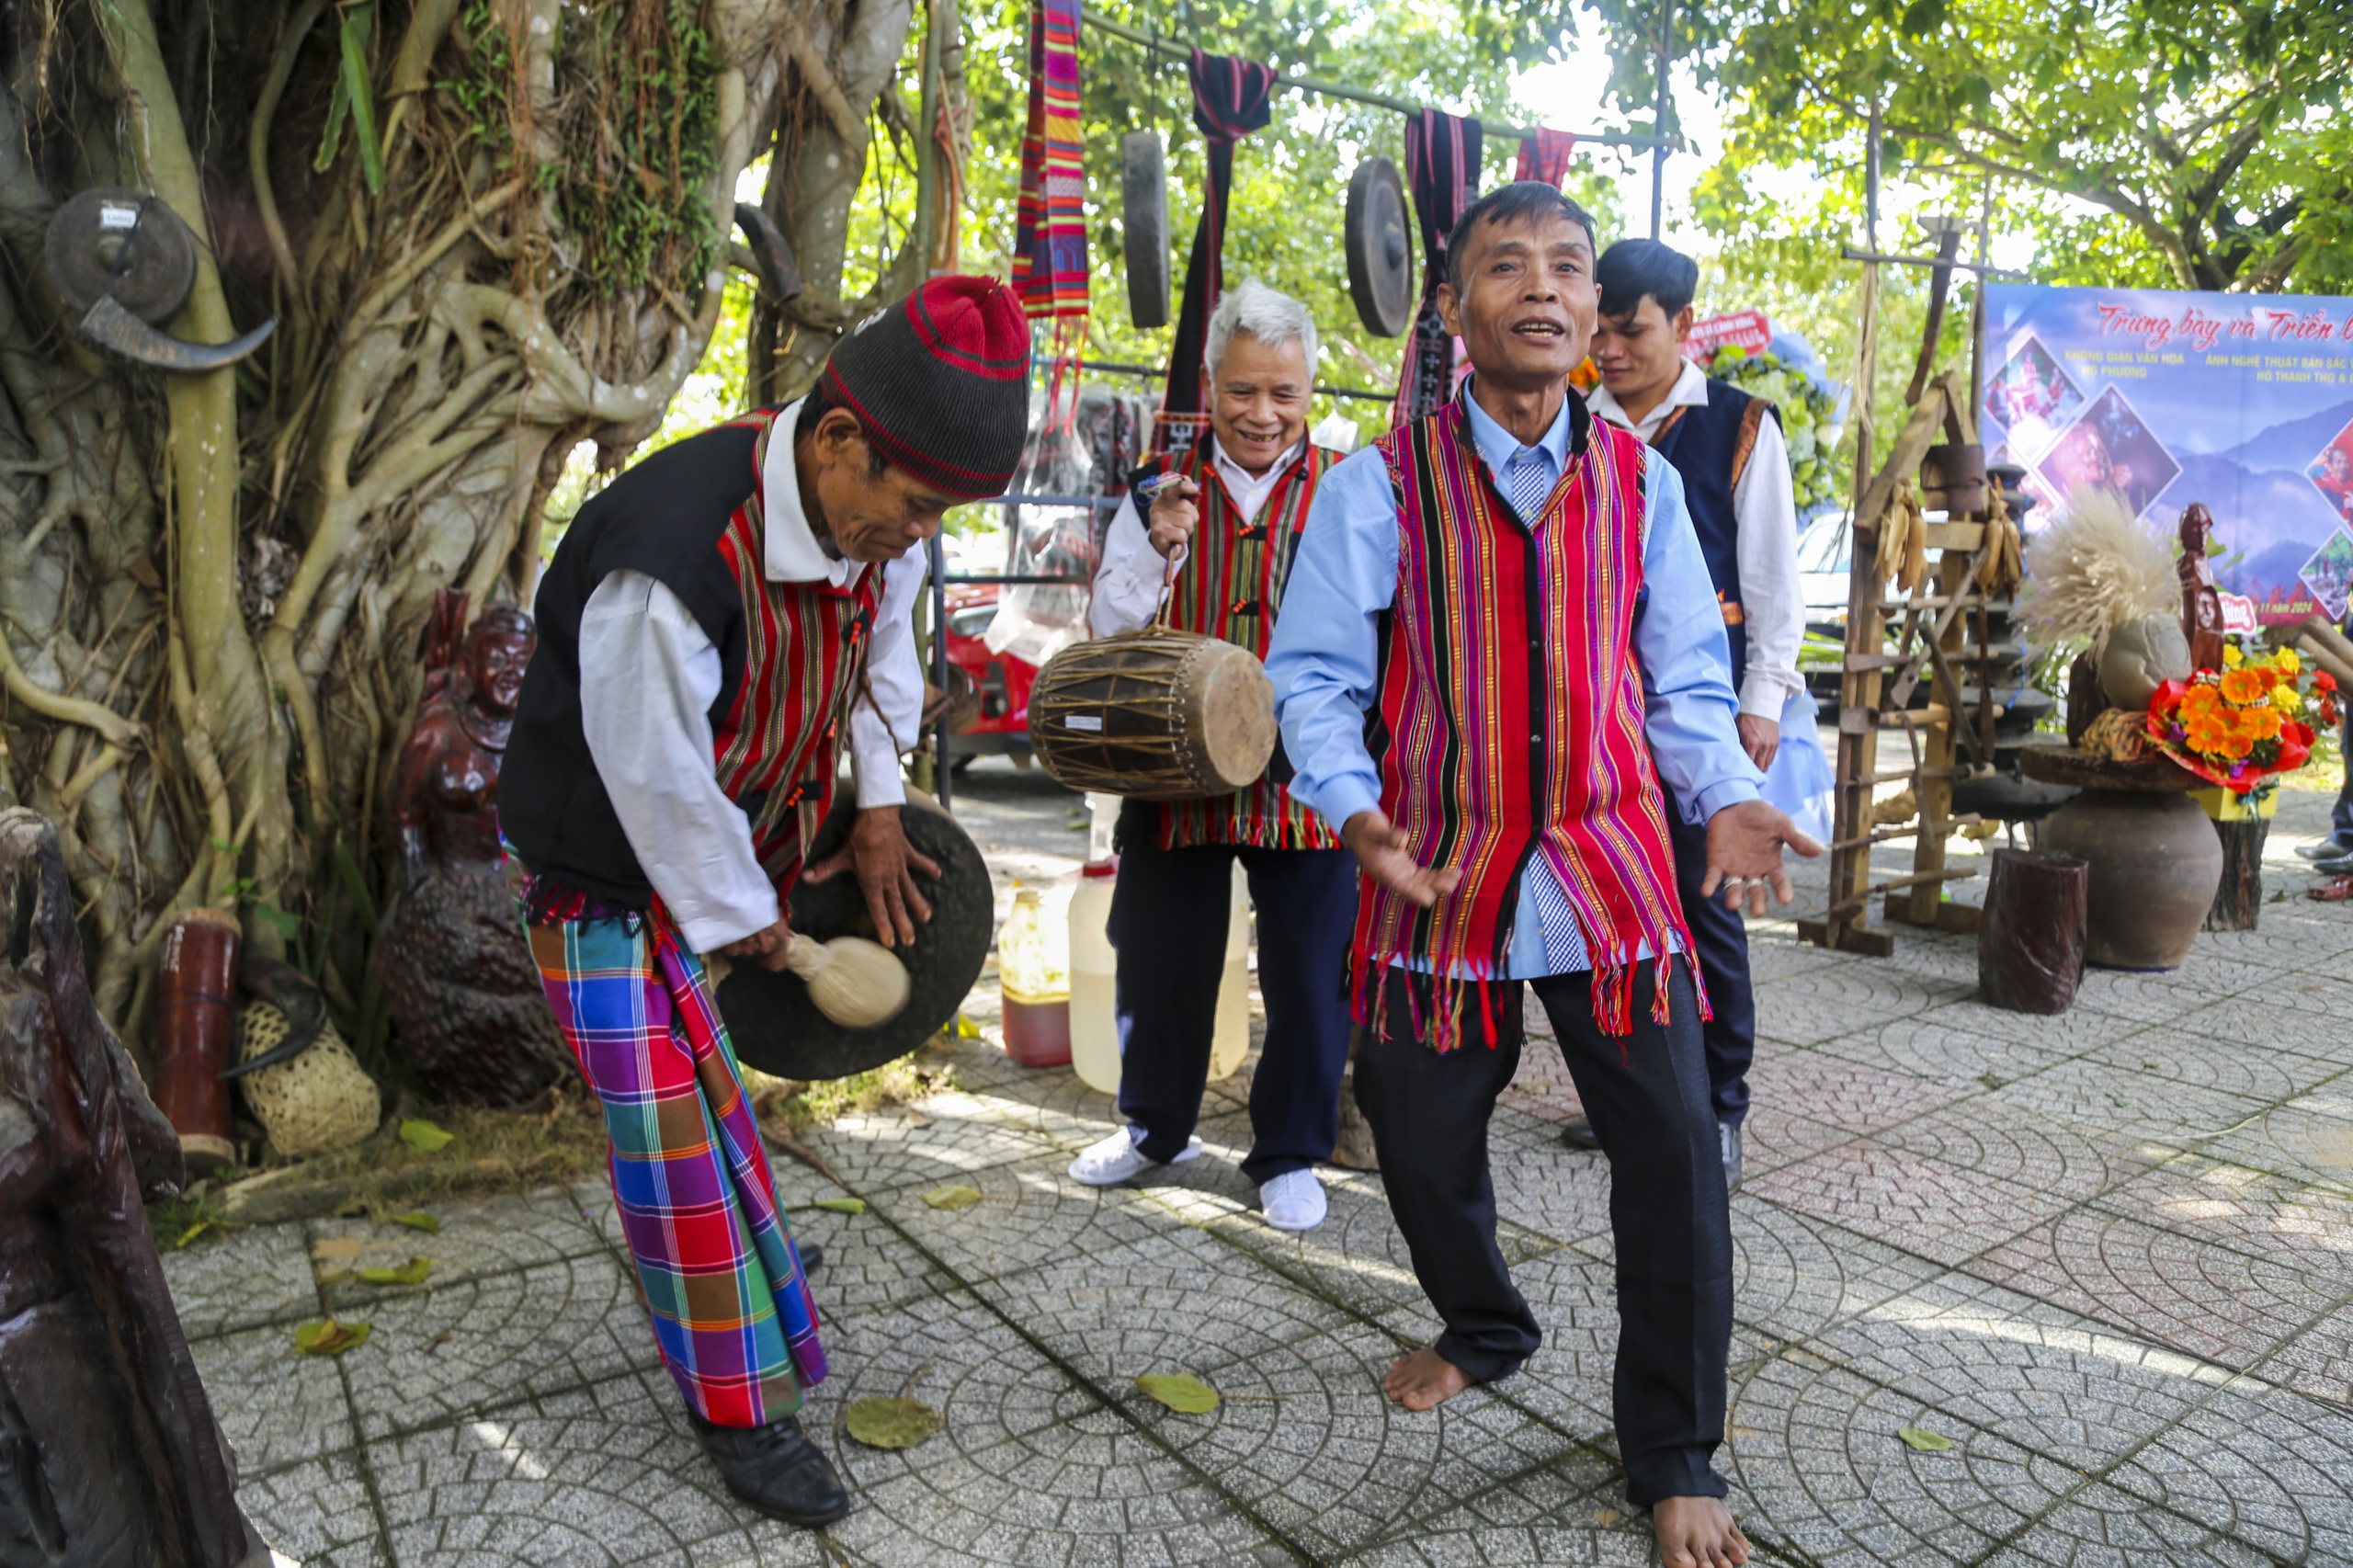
(775, 1470)
(2326, 849)
(813, 1257)
(1577, 1133)
(2337, 866)
(1728, 1139)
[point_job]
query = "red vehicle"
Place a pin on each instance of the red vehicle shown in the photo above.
(999, 681)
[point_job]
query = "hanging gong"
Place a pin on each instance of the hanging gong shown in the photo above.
(126, 244)
(1144, 219)
(777, 1028)
(1381, 254)
(123, 261)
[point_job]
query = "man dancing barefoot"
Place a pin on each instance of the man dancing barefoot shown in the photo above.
(1500, 664)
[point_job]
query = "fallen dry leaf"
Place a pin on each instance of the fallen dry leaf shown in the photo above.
(412, 1272)
(1181, 1392)
(916, 1117)
(329, 1337)
(1607, 1517)
(418, 1219)
(953, 1196)
(843, 1205)
(893, 1422)
(335, 1249)
(421, 1134)
(1921, 1441)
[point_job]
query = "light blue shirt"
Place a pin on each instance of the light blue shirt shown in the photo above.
(1325, 661)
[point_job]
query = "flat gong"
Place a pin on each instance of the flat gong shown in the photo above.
(1143, 220)
(126, 244)
(778, 1029)
(1381, 254)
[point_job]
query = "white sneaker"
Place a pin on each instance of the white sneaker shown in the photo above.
(1117, 1159)
(1294, 1201)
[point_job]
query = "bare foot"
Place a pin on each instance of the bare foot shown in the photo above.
(1424, 1380)
(1697, 1532)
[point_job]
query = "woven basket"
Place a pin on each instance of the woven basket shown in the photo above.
(320, 1102)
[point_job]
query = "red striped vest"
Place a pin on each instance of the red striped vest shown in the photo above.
(804, 652)
(1509, 722)
(1231, 588)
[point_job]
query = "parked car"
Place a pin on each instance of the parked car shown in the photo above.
(1000, 681)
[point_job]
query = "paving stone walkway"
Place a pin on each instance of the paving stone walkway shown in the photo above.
(2108, 1257)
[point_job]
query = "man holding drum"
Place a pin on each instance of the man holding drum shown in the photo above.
(1501, 664)
(1225, 522)
(713, 624)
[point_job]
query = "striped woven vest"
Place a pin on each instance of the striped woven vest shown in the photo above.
(804, 650)
(1508, 724)
(1231, 588)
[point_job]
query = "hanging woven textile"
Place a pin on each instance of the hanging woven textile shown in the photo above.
(1442, 172)
(1544, 155)
(1050, 235)
(1230, 101)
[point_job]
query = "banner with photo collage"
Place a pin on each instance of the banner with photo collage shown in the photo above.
(2243, 401)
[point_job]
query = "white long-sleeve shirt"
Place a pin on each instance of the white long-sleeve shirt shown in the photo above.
(1764, 505)
(1130, 579)
(648, 677)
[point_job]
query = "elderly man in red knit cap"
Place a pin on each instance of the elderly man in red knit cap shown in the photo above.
(715, 624)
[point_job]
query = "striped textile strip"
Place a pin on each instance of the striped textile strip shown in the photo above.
(716, 1263)
(1231, 99)
(1231, 587)
(779, 746)
(1544, 155)
(1488, 667)
(1443, 154)
(1050, 225)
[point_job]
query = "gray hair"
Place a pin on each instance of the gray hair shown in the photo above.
(1274, 318)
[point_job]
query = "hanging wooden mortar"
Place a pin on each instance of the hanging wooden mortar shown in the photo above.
(1143, 224)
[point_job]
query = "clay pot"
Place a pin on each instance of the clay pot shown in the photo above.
(2155, 863)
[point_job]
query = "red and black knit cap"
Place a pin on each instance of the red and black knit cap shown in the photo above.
(941, 380)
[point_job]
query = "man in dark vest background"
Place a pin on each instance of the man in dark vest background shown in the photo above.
(1728, 448)
(718, 624)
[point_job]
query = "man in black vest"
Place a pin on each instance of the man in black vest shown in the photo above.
(1735, 467)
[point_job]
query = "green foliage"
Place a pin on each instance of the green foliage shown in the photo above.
(631, 183)
(2136, 140)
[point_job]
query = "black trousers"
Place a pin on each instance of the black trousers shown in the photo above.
(1168, 924)
(1720, 938)
(1648, 1098)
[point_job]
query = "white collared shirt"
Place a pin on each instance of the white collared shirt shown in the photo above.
(1765, 512)
(648, 677)
(1130, 581)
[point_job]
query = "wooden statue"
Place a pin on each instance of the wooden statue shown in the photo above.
(2202, 603)
(462, 987)
(109, 1450)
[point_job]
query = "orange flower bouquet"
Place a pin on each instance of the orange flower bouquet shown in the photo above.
(2242, 725)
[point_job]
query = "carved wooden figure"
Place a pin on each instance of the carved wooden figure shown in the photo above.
(455, 969)
(109, 1451)
(2202, 603)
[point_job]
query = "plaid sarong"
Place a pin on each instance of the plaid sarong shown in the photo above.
(715, 1260)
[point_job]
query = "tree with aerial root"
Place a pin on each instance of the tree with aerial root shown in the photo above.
(489, 231)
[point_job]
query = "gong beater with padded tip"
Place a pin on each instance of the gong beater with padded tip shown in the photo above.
(1379, 248)
(124, 244)
(775, 1025)
(1143, 225)
(1153, 715)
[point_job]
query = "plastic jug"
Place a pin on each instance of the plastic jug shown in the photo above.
(1230, 1041)
(1094, 1021)
(1033, 973)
